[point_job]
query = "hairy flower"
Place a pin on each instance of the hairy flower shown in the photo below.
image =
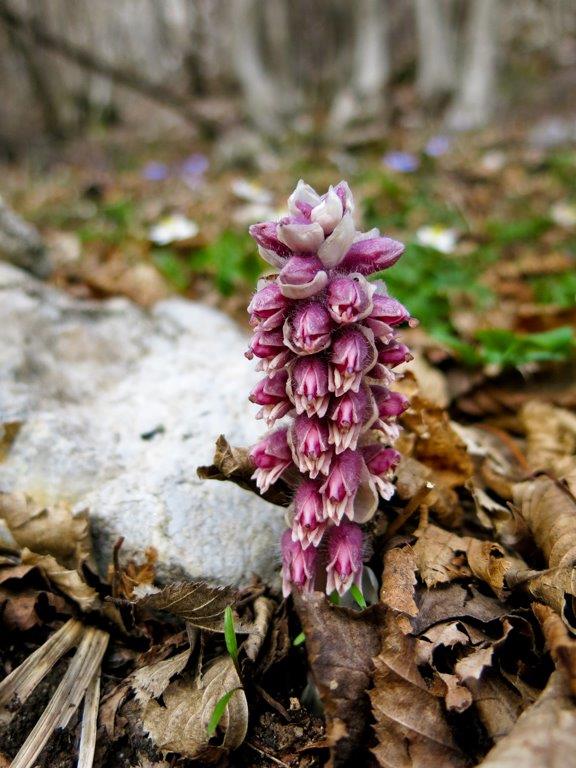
(298, 565)
(271, 457)
(309, 521)
(327, 339)
(345, 557)
(308, 385)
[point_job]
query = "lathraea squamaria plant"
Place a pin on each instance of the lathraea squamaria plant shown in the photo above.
(326, 342)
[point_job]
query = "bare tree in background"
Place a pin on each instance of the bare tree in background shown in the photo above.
(150, 64)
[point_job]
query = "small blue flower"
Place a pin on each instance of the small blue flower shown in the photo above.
(155, 171)
(195, 165)
(437, 146)
(401, 162)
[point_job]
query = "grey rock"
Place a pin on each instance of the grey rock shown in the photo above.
(20, 243)
(119, 407)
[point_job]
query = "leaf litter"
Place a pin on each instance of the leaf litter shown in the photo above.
(468, 655)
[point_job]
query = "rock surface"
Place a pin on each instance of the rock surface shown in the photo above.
(119, 406)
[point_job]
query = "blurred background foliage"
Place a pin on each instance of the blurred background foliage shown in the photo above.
(142, 139)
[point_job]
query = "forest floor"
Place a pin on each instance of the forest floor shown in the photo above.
(467, 644)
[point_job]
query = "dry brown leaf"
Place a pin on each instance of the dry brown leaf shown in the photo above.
(235, 465)
(454, 601)
(67, 581)
(440, 556)
(263, 611)
(555, 587)
(549, 510)
(498, 704)
(341, 645)
(181, 725)
(489, 562)
(151, 681)
(544, 735)
(561, 645)
(437, 445)
(197, 602)
(399, 580)
(552, 448)
(411, 728)
(8, 433)
(51, 530)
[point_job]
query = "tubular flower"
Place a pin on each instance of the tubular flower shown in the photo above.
(327, 339)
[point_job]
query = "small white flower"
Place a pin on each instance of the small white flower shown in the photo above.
(563, 213)
(173, 228)
(251, 192)
(493, 161)
(436, 236)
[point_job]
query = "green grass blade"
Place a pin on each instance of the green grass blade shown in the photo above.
(358, 596)
(230, 635)
(299, 639)
(219, 710)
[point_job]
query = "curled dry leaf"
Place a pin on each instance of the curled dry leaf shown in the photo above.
(51, 530)
(341, 644)
(67, 581)
(263, 612)
(151, 681)
(561, 645)
(553, 448)
(440, 556)
(544, 735)
(181, 725)
(455, 602)
(411, 727)
(549, 510)
(197, 602)
(399, 580)
(235, 465)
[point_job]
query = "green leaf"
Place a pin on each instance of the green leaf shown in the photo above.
(558, 290)
(172, 267)
(358, 596)
(230, 635)
(502, 347)
(219, 710)
(299, 639)
(334, 598)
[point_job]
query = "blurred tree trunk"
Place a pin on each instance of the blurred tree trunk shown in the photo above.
(436, 65)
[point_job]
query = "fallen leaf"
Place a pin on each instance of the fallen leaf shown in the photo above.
(544, 735)
(341, 645)
(152, 680)
(399, 580)
(235, 465)
(455, 602)
(67, 581)
(549, 510)
(411, 727)
(561, 645)
(181, 725)
(440, 556)
(200, 604)
(550, 437)
(52, 530)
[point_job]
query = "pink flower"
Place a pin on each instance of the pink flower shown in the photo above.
(371, 253)
(270, 393)
(308, 331)
(351, 356)
(268, 307)
(308, 386)
(270, 248)
(327, 339)
(302, 277)
(271, 456)
(345, 553)
(350, 415)
(381, 463)
(340, 487)
(309, 523)
(350, 299)
(310, 448)
(298, 565)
